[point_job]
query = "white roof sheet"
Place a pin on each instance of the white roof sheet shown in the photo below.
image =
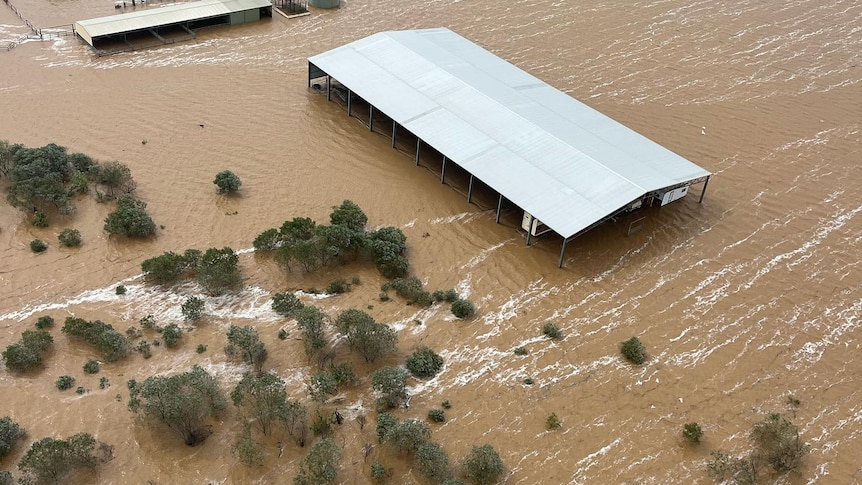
(555, 157)
(171, 14)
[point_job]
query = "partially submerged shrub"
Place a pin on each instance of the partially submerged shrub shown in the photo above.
(227, 182)
(38, 246)
(45, 321)
(553, 422)
(286, 304)
(521, 351)
(448, 296)
(552, 331)
(411, 289)
(633, 350)
(437, 415)
(10, 433)
(463, 308)
(483, 465)
(171, 334)
(110, 343)
(193, 308)
(70, 238)
(91, 366)
(120, 290)
(692, 432)
(64, 382)
(424, 362)
(338, 287)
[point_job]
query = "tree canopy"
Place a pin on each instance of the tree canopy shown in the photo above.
(365, 336)
(130, 218)
(483, 465)
(49, 460)
(244, 343)
(227, 182)
(264, 398)
(111, 344)
(391, 383)
(218, 271)
(183, 402)
(10, 433)
(321, 464)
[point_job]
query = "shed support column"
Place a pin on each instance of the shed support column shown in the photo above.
(703, 192)
(370, 117)
(394, 128)
(418, 144)
(309, 64)
(443, 172)
(529, 230)
(470, 190)
(562, 253)
(349, 104)
(499, 207)
(328, 87)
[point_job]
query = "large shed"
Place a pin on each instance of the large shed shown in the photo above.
(566, 165)
(184, 16)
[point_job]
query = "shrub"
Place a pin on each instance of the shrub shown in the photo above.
(385, 423)
(432, 461)
(321, 425)
(365, 336)
(91, 367)
(483, 465)
(10, 433)
(244, 343)
(282, 334)
(114, 176)
(27, 354)
(201, 348)
(424, 362)
(387, 246)
(130, 218)
(449, 296)
(379, 473)
(81, 390)
(528, 381)
(38, 246)
(552, 331)
(348, 214)
(740, 471)
(521, 351)
(148, 322)
(110, 343)
(120, 290)
(45, 321)
(170, 266)
(408, 435)
(218, 271)
(193, 308)
(463, 308)
(40, 219)
(320, 466)
(103, 382)
(310, 320)
(325, 383)
(286, 304)
(446, 404)
(391, 382)
(553, 422)
(227, 182)
(411, 289)
(247, 451)
(633, 350)
(70, 238)
(777, 443)
(171, 334)
(144, 348)
(437, 415)
(338, 287)
(692, 432)
(64, 382)
(356, 280)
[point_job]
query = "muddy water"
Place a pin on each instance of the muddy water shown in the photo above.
(742, 301)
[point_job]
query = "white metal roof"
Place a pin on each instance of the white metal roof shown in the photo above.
(555, 157)
(171, 14)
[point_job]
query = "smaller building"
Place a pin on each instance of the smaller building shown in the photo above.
(163, 25)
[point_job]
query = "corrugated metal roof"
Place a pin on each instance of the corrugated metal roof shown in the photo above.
(171, 14)
(555, 157)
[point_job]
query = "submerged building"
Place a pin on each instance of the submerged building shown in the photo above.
(162, 25)
(567, 166)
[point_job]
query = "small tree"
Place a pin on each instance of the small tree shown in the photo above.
(692, 432)
(268, 240)
(321, 464)
(633, 350)
(49, 460)
(739, 471)
(247, 450)
(38, 246)
(391, 382)
(387, 246)
(264, 398)
(348, 214)
(218, 271)
(409, 435)
(130, 218)
(110, 343)
(171, 334)
(432, 461)
(116, 177)
(193, 308)
(183, 402)
(10, 433)
(310, 321)
(91, 367)
(386, 422)
(437, 415)
(365, 336)
(227, 182)
(70, 238)
(424, 362)
(463, 308)
(244, 343)
(64, 382)
(286, 304)
(45, 321)
(483, 465)
(379, 473)
(777, 443)
(169, 267)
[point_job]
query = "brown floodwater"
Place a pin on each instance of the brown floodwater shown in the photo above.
(742, 301)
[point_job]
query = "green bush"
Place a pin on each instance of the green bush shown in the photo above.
(120, 290)
(356, 280)
(379, 473)
(338, 287)
(64, 382)
(387, 246)
(45, 321)
(171, 334)
(777, 443)
(81, 390)
(10, 433)
(227, 182)
(633, 350)
(201, 348)
(424, 362)
(70, 238)
(103, 382)
(144, 348)
(320, 466)
(27, 354)
(446, 404)
(130, 218)
(432, 461)
(193, 308)
(552, 331)
(411, 289)
(528, 381)
(148, 322)
(408, 435)
(692, 432)
(91, 367)
(110, 343)
(49, 460)
(463, 308)
(169, 267)
(282, 334)
(553, 422)
(521, 351)
(40, 219)
(218, 272)
(38, 246)
(437, 415)
(391, 382)
(268, 240)
(483, 465)
(286, 304)
(449, 296)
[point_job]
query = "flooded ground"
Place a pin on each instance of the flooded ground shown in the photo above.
(742, 301)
